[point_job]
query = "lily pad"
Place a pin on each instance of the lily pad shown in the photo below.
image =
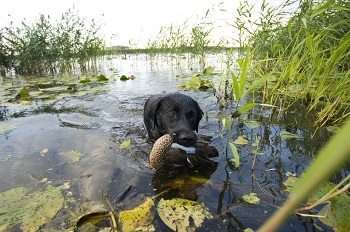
(197, 83)
(290, 183)
(241, 140)
(102, 77)
(131, 77)
(85, 81)
(30, 210)
(23, 94)
(336, 212)
(73, 156)
(6, 127)
(44, 151)
(251, 198)
(182, 214)
(209, 70)
(125, 144)
(123, 78)
(185, 185)
(252, 124)
(141, 216)
(288, 135)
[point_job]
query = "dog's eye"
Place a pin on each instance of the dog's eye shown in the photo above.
(172, 113)
(191, 114)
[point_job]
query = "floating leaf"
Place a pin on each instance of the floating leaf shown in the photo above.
(194, 82)
(123, 78)
(235, 155)
(44, 151)
(336, 214)
(23, 95)
(288, 135)
(140, 216)
(6, 127)
(290, 183)
(91, 215)
(102, 77)
(185, 185)
(89, 221)
(131, 77)
(248, 230)
(209, 70)
(241, 140)
(186, 181)
(125, 144)
(30, 210)
(252, 124)
(85, 81)
(182, 214)
(73, 156)
(251, 198)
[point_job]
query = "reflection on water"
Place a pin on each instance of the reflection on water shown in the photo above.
(95, 120)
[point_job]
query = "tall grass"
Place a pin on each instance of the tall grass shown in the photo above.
(184, 39)
(304, 60)
(308, 56)
(44, 46)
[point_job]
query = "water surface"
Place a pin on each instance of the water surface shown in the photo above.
(96, 119)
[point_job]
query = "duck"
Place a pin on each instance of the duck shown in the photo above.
(166, 153)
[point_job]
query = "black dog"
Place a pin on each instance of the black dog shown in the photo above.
(175, 114)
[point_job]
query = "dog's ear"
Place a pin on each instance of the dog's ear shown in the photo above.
(155, 111)
(199, 115)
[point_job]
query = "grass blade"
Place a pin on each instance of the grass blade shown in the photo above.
(235, 155)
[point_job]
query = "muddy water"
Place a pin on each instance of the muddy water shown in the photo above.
(95, 120)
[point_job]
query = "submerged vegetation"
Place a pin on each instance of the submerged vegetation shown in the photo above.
(46, 47)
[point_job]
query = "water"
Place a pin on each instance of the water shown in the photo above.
(95, 119)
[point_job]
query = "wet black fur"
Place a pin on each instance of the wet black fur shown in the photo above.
(176, 114)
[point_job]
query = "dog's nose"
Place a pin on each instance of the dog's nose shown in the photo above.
(188, 139)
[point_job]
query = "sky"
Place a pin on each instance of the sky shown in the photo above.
(132, 22)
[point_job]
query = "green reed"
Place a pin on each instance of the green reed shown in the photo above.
(304, 60)
(308, 56)
(185, 39)
(44, 46)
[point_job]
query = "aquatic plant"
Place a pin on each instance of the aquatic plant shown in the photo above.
(303, 60)
(48, 47)
(329, 159)
(186, 41)
(306, 57)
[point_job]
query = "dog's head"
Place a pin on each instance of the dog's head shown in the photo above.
(178, 115)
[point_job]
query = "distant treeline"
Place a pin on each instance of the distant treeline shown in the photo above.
(127, 50)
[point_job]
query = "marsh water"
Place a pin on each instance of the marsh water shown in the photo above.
(71, 133)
